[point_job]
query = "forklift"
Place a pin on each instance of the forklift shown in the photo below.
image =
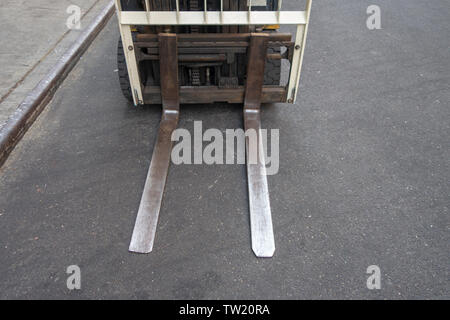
(174, 52)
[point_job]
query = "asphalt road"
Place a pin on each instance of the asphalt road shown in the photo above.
(364, 178)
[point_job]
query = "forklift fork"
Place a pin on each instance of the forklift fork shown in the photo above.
(263, 243)
(147, 218)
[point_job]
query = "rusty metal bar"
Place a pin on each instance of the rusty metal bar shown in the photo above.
(168, 49)
(255, 70)
(217, 57)
(201, 57)
(211, 94)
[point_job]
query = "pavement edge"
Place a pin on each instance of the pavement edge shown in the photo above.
(37, 99)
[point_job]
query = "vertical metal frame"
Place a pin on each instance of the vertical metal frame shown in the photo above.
(130, 57)
(297, 59)
(232, 18)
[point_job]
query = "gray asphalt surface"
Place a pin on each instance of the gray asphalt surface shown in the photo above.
(364, 178)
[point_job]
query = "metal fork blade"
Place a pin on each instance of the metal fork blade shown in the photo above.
(263, 243)
(147, 218)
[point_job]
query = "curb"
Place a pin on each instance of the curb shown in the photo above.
(36, 100)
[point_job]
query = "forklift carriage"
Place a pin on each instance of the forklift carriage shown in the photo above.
(174, 52)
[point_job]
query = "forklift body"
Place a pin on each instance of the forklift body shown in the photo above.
(174, 52)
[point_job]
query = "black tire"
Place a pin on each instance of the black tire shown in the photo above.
(124, 80)
(272, 72)
(131, 5)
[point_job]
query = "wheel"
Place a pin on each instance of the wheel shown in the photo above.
(272, 72)
(124, 80)
(131, 5)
